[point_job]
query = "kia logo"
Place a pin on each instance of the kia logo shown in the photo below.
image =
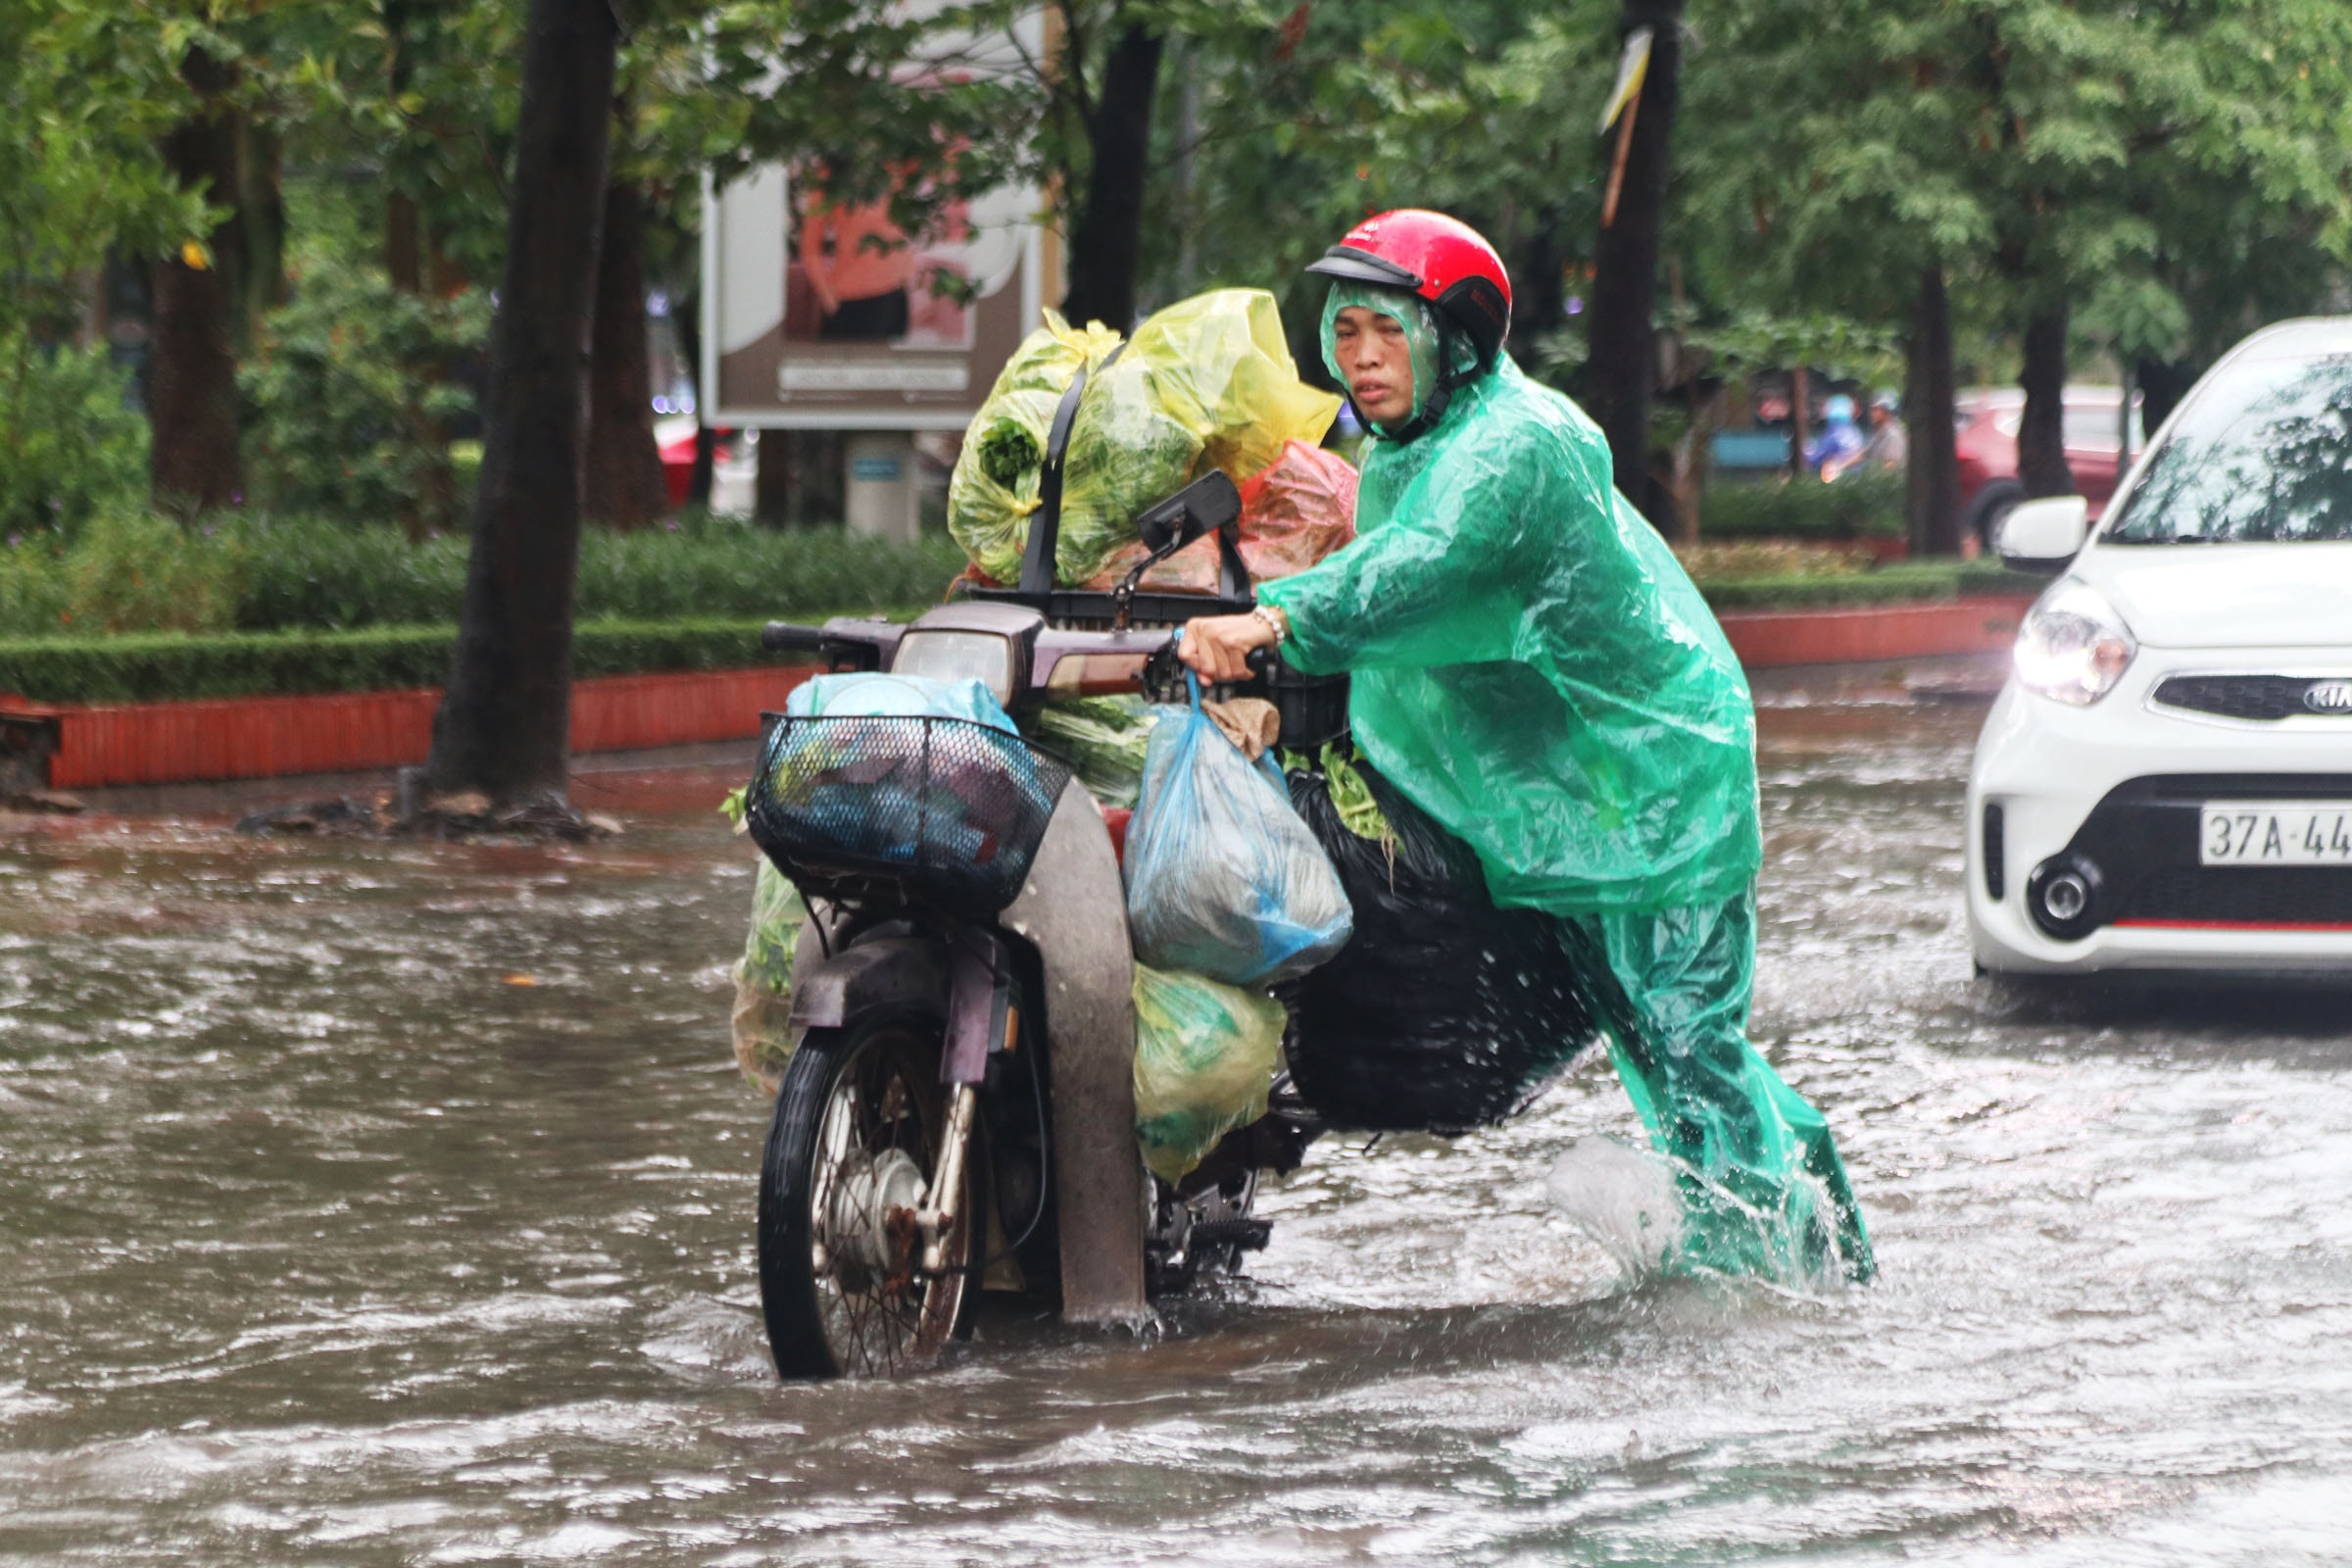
(2328, 696)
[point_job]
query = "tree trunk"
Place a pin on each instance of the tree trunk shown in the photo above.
(1539, 291)
(2162, 386)
(2041, 466)
(1106, 241)
(192, 358)
(1622, 367)
(1800, 419)
(503, 727)
(771, 480)
(626, 487)
(261, 204)
(1931, 478)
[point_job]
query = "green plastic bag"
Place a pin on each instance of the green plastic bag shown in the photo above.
(1209, 383)
(995, 485)
(763, 979)
(1205, 1055)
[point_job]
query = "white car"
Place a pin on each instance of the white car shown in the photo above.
(2166, 780)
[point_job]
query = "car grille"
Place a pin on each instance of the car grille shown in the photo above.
(2141, 840)
(2299, 894)
(2265, 697)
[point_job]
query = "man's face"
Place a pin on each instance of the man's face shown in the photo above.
(1376, 362)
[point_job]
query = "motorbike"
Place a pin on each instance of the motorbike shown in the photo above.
(957, 1113)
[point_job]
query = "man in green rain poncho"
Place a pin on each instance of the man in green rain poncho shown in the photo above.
(1533, 669)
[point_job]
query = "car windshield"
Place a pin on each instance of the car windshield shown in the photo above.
(2263, 454)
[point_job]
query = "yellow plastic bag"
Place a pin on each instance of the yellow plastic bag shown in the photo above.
(1209, 383)
(1221, 367)
(1205, 1055)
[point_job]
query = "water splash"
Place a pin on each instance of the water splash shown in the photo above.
(1625, 1199)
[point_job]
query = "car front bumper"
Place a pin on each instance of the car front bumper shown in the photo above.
(2120, 784)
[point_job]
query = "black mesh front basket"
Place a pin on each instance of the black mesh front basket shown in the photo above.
(950, 810)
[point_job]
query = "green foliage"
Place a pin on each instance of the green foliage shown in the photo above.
(158, 668)
(326, 574)
(712, 567)
(86, 86)
(134, 572)
(348, 403)
(1859, 505)
(32, 585)
(68, 446)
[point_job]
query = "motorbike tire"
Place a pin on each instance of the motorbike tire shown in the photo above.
(877, 1081)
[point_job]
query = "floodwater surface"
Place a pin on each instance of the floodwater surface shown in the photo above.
(374, 1204)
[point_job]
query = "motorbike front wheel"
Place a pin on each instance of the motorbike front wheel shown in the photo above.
(860, 1128)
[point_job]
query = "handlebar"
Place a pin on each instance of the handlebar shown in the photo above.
(782, 636)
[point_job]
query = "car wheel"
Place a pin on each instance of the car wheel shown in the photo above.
(1992, 504)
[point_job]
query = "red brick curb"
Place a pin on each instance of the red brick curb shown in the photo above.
(270, 737)
(1771, 639)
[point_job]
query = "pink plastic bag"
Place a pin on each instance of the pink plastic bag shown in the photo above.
(1294, 512)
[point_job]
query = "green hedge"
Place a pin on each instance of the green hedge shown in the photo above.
(1899, 582)
(147, 668)
(1859, 505)
(130, 572)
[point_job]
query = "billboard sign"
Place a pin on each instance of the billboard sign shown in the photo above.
(824, 316)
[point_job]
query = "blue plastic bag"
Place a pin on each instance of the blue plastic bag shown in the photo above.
(1223, 878)
(876, 696)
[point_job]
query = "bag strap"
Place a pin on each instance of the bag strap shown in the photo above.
(1045, 524)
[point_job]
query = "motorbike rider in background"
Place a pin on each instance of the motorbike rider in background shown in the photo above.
(1533, 668)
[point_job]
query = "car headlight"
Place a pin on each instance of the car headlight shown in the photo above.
(2073, 647)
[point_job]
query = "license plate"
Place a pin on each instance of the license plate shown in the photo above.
(2276, 833)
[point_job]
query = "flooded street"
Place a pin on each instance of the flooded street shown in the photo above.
(375, 1203)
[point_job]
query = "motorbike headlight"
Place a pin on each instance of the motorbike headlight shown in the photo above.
(2073, 647)
(956, 654)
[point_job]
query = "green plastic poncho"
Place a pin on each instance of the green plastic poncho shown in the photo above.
(1531, 668)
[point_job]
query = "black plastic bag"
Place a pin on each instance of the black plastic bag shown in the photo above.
(1443, 1013)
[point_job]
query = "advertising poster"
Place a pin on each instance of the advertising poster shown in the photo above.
(826, 316)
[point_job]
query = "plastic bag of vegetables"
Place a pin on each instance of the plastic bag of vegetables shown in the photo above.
(1103, 738)
(763, 980)
(1209, 383)
(1205, 1058)
(1223, 879)
(995, 486)
(1293, 512)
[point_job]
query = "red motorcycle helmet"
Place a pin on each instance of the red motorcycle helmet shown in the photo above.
(1440, 260)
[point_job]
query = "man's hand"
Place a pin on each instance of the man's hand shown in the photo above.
(1218, 647)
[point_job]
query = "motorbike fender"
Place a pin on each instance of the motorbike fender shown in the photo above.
(1073, 909)
(885, 973)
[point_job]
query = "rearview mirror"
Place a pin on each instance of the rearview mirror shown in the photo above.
(2044, 535)
(1196, 511)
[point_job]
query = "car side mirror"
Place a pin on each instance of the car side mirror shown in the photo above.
(2042, 536)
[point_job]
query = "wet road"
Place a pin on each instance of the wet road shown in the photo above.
(375, 1204)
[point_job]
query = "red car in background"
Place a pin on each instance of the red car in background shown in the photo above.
(1987, 421)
